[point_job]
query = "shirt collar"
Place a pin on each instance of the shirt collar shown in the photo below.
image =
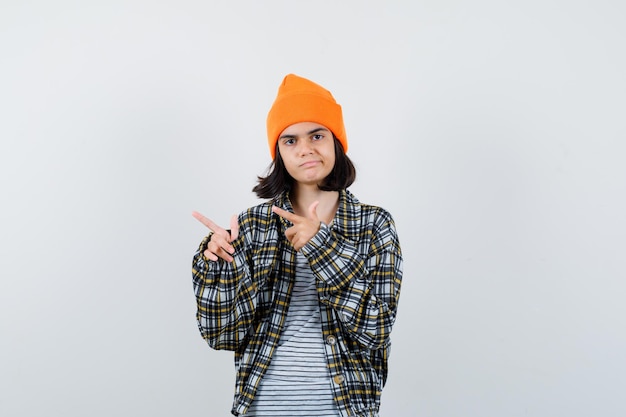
(347, 221)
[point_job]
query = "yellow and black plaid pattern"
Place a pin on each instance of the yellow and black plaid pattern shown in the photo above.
(357, 261)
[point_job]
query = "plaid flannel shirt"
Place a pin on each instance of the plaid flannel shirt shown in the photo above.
(242, 305)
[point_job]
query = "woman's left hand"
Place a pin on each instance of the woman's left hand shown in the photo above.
(304, 228)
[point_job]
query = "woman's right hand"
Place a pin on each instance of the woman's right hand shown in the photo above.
(219, 244)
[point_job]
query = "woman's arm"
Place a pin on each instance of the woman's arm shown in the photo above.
(363, 288)
(225, 292)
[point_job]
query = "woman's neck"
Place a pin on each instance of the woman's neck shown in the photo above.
(303, 196)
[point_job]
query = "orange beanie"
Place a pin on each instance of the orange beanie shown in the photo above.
(301, 100)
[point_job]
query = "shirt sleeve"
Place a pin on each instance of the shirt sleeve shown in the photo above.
(225, 295)
(363, 288)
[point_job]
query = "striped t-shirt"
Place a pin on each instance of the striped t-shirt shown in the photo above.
(297, 382)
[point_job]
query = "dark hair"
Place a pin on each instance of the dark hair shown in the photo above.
(278, 179)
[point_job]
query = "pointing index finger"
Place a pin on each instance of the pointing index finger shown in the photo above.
(207, 222)
(285, 214)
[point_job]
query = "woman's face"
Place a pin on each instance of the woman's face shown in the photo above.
(308, 152)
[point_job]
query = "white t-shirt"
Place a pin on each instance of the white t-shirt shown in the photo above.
(297, 382)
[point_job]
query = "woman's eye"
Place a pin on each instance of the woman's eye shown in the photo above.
(317, 137)
(289, 141)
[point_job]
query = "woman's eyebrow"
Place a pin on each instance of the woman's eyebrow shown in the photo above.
(317, 129)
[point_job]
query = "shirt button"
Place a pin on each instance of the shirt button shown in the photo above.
(331, 340)
(339, 379)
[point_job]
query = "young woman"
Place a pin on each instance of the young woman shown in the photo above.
(303, 288)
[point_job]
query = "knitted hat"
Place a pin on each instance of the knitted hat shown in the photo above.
(301, 100)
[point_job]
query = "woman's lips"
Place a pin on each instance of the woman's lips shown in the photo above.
(309, 164)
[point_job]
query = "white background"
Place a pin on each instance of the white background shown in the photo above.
(493, 131)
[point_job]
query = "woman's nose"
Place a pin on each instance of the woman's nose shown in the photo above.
(305, 148)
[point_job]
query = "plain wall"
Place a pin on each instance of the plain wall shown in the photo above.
(494, 132)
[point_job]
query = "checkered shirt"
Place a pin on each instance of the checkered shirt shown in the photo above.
(242, 305)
